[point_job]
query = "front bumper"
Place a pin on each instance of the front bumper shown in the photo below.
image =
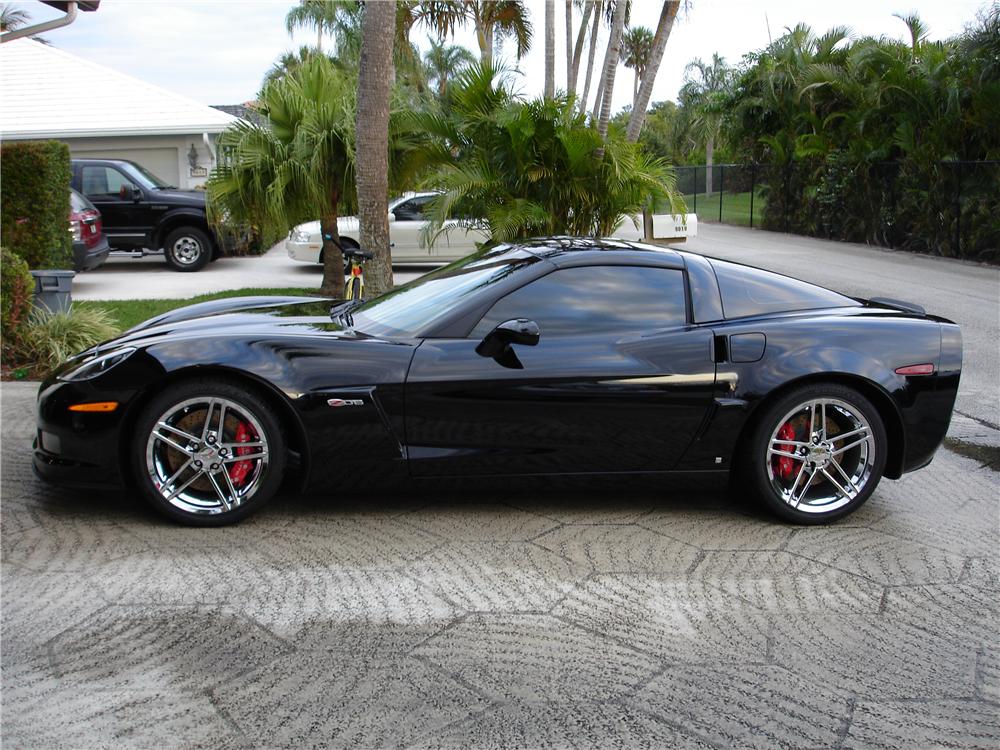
(304, 252)
(78, 448)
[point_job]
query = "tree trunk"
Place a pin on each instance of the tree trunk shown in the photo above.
(569, 44)
(635, 89)
(578, 49)
(550, 49)
(666, 23)
(375, 71)
(590, 55)
(709, 154)
(319, 37)
(611, 66)
(333, 260)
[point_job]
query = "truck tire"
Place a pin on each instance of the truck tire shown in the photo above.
(187, 249)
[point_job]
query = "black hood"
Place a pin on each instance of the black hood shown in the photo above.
(174, 197)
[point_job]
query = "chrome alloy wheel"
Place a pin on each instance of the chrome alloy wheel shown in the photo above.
(821, 455)
(207, 455)
(186, 250)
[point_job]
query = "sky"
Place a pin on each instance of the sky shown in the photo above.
(217, 51)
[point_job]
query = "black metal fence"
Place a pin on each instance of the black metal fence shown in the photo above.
(949, 208)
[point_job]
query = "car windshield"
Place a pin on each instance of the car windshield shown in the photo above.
(146, 178)
(414, 307)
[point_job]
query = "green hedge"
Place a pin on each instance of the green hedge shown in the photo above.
(16, 289)
(34, 202)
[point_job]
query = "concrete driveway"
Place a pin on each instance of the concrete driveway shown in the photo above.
(599, 617)
(594, 618)
(151, 278)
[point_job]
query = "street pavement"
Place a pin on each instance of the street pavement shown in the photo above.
(621, 616)
(151, 278)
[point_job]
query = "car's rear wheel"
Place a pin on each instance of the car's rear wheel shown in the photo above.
(817, 453)
(208, 452)
(187, 249)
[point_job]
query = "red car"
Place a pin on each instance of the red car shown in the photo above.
(90, 246)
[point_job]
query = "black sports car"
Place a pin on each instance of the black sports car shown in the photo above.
(552, 357)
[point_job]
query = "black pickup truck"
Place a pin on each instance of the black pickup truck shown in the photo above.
(141, 213)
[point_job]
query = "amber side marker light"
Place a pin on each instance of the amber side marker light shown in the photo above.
(96, 406)
(915, 370)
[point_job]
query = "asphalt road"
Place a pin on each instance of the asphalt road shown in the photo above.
(604, 617)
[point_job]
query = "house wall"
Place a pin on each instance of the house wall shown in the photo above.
(165, 156)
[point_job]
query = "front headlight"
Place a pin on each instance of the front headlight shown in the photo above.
(98, 365)
(301, 236)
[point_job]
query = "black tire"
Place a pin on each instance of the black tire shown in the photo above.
(830, 491)
(187, 249)
(199, 504)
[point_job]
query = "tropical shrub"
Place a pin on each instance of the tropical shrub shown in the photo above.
(52, 337)
(527, 168)
(16, 288)
(34, 202)
(877, 140)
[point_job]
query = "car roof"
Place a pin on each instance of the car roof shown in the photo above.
(573, 251)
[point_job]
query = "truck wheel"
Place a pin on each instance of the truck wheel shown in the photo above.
(187, 249)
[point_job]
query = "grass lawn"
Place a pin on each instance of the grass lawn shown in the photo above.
(735, 207)
(131, 312)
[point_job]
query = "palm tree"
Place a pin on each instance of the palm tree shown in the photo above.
(528, 168)
(668, 15)
(443, 61)
(13, 18)
(637, 48)
(300, 167)
(590, 55)
(494, 21)
(705, 88)
(374, 79)
(550, 48)
(606, 89)
(574, 57)
(287, 64)
(338, 17)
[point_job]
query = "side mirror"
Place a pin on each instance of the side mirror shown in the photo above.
(497, 343)
(392, 217)
(136, 194)
(127, 193)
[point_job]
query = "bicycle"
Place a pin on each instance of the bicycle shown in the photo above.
(354, 284)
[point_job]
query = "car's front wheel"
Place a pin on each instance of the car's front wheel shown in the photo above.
(817, 453)
(187, 249)
(208, 452)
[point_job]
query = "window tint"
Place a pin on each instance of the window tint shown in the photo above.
(750, 291)
(595, 299)
(411, 210)
(103, 182)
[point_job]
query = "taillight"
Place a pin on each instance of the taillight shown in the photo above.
(924, 369)
(76, 229)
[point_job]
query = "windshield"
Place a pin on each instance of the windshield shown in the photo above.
(414, 307)
(148, 180)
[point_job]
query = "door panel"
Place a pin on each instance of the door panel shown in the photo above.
(124, 220)
(589, 403)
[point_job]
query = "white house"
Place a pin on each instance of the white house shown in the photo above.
(48, 93)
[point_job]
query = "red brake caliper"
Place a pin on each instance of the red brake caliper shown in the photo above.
(785, 465)
(238, 471)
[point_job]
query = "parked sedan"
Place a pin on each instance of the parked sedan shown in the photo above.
(408, 230)
(561, 356)
(90, 245)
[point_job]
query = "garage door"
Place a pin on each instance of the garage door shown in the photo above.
(160, 161)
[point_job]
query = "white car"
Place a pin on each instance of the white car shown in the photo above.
(407, 236)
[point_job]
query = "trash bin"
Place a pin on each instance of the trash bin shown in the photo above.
(52, 289)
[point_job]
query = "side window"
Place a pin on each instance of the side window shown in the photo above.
(595, 299)
(104, 182)
(412, 210)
